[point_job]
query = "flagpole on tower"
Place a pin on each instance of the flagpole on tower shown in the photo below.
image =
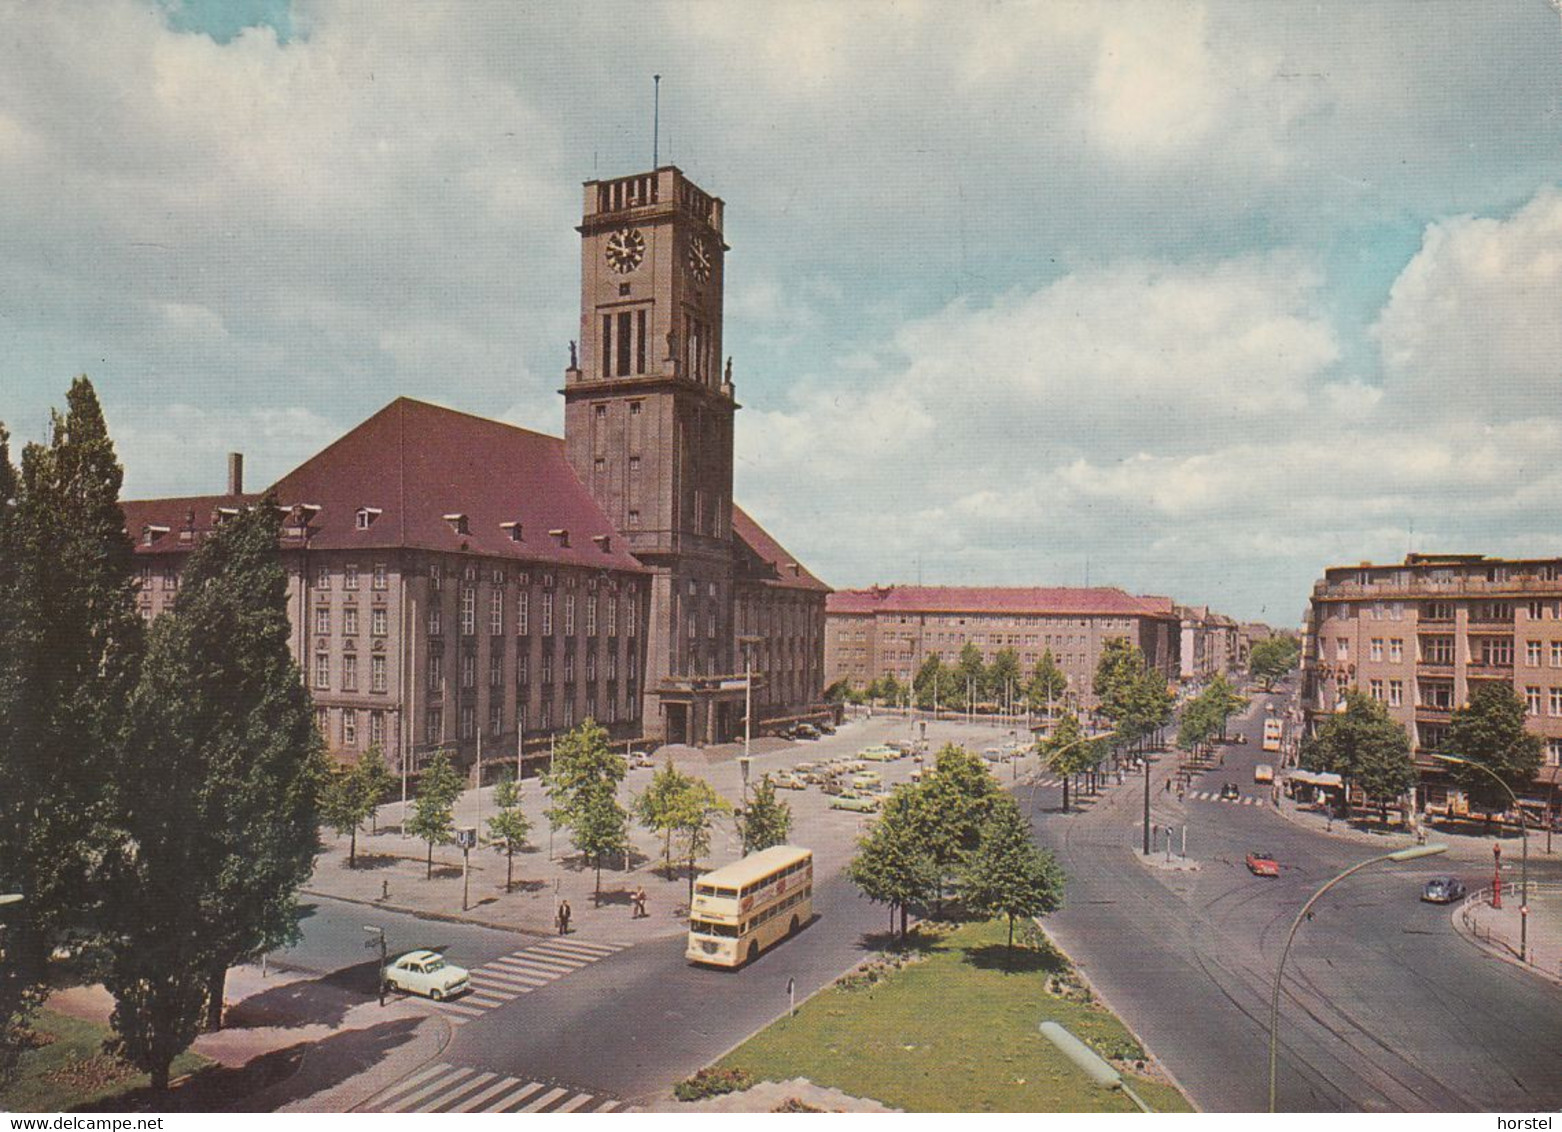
(656, 120)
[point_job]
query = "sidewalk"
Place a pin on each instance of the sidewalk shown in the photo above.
(1497, 930)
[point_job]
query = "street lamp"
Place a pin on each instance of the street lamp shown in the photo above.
(1092, 1064)
(1523, 852)
(1413, 853)
(379, 942)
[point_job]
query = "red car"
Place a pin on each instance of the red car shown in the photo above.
(1262, 864)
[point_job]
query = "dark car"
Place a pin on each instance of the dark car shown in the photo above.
(805, 731)
(1443, 890)
(1229, 792)
(826, 727)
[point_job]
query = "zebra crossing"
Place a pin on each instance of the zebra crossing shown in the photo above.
(521, 972)
(453, 1088)
(1210, 796)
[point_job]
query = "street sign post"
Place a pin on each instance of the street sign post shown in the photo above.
(466, 838)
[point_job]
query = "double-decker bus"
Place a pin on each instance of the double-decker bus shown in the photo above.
(742, 908)
(1272, 732)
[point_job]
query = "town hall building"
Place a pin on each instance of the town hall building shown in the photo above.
(457, 582)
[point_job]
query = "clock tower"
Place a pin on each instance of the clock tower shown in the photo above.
(648, 423)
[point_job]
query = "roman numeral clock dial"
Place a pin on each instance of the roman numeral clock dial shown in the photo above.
(699, 259)
(625, 250)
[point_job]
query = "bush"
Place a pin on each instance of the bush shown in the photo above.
(1116, 1048)
(793, 1104)
(711, 1083)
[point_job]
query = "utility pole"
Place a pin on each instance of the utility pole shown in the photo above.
(1146, 803)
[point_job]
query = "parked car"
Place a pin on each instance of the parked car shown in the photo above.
(993, 755)
(826, 726)
(426, 973)
(805, 731)
(883, 753)
(1262, 864)
(786, 780)
(640, 758)
(786, 732)
(900, 746)
(866, 780)
(1229, 792)
(855, 802)
(803, 768)
(1443, 890)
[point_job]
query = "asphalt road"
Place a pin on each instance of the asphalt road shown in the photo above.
(1385, 1007)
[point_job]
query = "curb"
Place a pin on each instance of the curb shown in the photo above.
(422, 914)
(1079, 970)
(1462, 929)
(448, 1033)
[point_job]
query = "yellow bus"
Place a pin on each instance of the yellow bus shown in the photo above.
(742, 908)
(1272, 732)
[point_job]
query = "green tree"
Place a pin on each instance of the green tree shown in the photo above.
(433, 813)
(892, 865)
(583, 789)
(1272, 658)
(1116, 672)
(1360, 741)
(698, 809)
(70, 649)
(509, 827)
(931, 683)
(1047, 683)
(950, 804)
(657, 808)
(766, 820)
(1489, 731)
(1222, 701)
(1007, 875)
(598, 826)
(378, 781)
(970, 674)
(1066, 752)
(347, 799)
(1004, 677)
(1198, 725)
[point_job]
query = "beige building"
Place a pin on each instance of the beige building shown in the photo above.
(1421, 635)
(455, 580)
(894, 629)
(1212, 644)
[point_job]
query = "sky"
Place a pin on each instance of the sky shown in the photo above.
(1190, 298)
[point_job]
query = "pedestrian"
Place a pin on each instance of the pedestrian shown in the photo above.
(1168, 786)
(638, 901)
(564, 914)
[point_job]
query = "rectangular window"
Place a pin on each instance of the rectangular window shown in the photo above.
(468, 610)
(634, 518)
(495, 718)
(379, 621)
(349, 727)
(640, 340)
(436, 670)
(1537, 610)
(468, 721)
(322, 670)
(522, 670)
(569, 615)
(591, 616)
(547, 668)
(1396, 693)
(1556, 702)
(1556, 654)
(1497, 652)
(693, 627)
(435, 620)
(496, 669)
(1532, 700)
(1375, 689)
(323, 722)
(607, 345)
(381, 578)
(436, 577)
(434, 729)
(1554, 752)
(350, 576)
(322, 577)
(632, 614)
(522, 613)
(468, 670)
(350, 621)
(322, 620)
(377, 728)
(547, 615)
(1532, 653)
(1341, 649)
(1437, 611)
(625, 342)
(612, 617)
(1377, 648)
(349, 673)
(711, 625)
(377, 673)
(1396, 650)
(496, 613)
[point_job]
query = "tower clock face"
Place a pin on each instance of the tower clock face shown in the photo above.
(625, 250)
(699, 259)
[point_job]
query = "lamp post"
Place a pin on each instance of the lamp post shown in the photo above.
(1523, 850)
(1413, 853)
(1092, 1064)
(379, 940)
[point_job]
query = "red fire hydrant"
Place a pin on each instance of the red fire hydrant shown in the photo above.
(1496, 876)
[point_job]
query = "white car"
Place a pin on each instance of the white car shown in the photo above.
(426, 973)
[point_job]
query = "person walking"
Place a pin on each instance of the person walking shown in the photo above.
(564, 913)
(638, 903)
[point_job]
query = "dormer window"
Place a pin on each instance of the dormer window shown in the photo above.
(221, 515)
(560, 535)
(366, 516)
(514, 530)
(458, 523)
(151, 533)
(604, 543)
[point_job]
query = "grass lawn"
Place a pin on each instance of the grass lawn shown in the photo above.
(73, 1070)
(954, 1030)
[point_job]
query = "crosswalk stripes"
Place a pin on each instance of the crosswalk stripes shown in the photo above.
(1207, 796)
(521, 972)
(452, 1088)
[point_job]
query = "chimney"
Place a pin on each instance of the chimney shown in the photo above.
(235, 473)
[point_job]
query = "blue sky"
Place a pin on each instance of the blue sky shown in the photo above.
(1197, 297)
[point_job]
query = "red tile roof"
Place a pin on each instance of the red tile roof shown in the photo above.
(761, 558)
(179, 513)
(1014, 600)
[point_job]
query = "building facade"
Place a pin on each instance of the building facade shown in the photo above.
(1211, 644)
(457, 582)
(892, 630)
(1421, 635)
